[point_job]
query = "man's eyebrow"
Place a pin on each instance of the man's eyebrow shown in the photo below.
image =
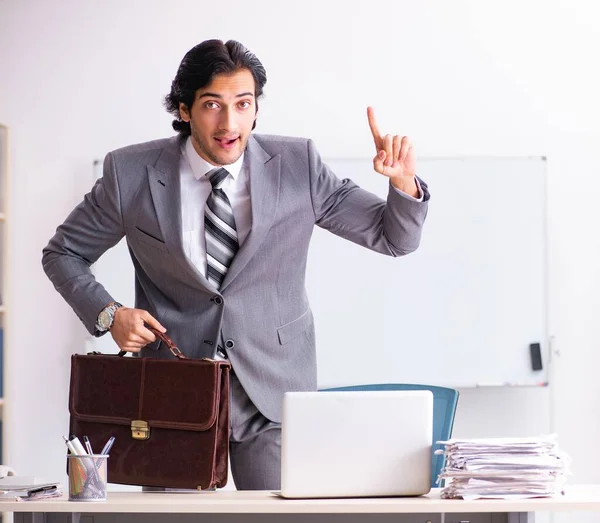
(216, 95)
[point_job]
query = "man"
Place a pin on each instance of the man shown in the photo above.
(220, 254)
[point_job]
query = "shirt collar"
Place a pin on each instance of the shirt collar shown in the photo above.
(200, 166)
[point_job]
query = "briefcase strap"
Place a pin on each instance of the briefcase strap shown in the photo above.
(168, 341)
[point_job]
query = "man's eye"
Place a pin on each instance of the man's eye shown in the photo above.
(245, 104)
(211, 105)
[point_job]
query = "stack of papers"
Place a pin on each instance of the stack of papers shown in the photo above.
(503, 468)
(27, 488)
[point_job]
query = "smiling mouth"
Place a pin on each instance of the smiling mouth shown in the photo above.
(227, 141)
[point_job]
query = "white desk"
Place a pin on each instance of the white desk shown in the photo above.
(232, 506)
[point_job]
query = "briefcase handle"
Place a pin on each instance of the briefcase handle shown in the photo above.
(169, 342)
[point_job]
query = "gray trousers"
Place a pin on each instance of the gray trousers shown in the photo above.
(254, 444)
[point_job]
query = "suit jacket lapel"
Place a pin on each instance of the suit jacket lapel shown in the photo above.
(165, 187)
(264, 176)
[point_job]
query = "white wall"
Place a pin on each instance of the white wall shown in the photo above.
(473, 78)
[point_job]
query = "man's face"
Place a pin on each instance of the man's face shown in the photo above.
(222, 116)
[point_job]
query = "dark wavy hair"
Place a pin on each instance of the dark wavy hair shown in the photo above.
(200, 65)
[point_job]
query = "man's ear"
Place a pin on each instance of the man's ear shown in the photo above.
(184, 113)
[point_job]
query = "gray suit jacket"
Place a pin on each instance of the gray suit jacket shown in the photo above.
(262, 308)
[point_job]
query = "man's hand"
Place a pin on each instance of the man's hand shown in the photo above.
(128, 329)
(395, 158)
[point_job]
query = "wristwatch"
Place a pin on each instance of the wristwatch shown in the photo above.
(107, 316)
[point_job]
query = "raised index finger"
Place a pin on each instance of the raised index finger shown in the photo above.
(374, 128)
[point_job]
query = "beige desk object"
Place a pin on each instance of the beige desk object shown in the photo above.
(262, 506)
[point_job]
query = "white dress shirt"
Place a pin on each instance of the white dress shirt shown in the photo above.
(195, 189)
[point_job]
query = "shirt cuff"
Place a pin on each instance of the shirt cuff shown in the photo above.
(418, 198)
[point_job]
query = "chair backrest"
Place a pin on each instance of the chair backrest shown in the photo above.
(444, 407)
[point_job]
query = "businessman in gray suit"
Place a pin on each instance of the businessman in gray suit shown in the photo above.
(218, 222)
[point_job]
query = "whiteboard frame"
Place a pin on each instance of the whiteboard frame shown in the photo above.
(115, 285)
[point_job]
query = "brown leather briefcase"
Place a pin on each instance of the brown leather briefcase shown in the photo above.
(169, 417)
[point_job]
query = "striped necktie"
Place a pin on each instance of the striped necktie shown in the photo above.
(219, 228)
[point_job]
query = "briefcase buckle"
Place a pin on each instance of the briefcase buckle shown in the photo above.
(140, 429)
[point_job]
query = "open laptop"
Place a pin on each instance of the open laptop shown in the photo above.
(356, 444)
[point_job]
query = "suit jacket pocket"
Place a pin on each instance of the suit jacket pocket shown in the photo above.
(294, 328)
(148, 239)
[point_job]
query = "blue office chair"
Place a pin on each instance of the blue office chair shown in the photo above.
(444, 407)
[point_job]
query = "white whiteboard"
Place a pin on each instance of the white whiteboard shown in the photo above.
(460, 311)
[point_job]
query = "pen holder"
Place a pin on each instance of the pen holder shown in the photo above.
(87, 477)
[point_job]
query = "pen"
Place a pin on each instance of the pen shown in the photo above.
(41, 489)
(108, 445)
(88, 445)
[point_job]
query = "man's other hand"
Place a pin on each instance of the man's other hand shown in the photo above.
(394, 158)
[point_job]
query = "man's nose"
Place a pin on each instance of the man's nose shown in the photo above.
(228, 120)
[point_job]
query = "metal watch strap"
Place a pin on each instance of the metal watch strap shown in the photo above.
(114, 305)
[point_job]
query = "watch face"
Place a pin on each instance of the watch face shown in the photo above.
(104, 319)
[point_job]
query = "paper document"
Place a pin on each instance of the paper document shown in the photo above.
(27, 488)
(503, 468)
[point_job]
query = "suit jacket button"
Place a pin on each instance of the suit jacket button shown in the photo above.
(218, 300)
(229, 344)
